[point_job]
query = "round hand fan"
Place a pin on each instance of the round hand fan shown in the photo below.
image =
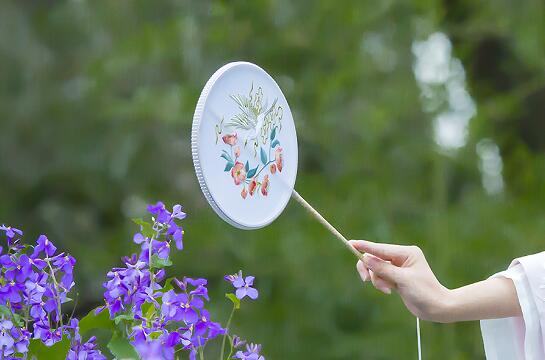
(244, 147)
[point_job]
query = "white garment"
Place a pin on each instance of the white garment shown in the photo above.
(523, 337)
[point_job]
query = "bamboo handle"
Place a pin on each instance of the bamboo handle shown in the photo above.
(325, 223)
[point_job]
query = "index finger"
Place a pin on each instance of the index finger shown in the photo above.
(397, 254)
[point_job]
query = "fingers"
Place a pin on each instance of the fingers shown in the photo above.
(383, 269)
(362, 270)
(394, 253)
(381, 284)
(378, 283)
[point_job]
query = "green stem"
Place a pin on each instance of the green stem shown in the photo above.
(57, 289)
(226, 332)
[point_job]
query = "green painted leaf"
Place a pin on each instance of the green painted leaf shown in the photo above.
(264, 158)
(99, 321)
(275, 143)
(145, 227)
(229, 166)
(56, 351)
(273, 134)
(234, 300)
(121, 348)
(247, 166)
(252, 172)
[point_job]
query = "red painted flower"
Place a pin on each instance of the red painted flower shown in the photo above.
(265, 185)
(244, 193)
(278, 158)
(238, 173)
(273, 168)
(252, 186)
(237, 151)
(230, 139)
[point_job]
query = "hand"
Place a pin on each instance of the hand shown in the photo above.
(404, 269)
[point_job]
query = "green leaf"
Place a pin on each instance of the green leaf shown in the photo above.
(252, 172)
(275, 143)
(157, 262)
(229, 166)
(234, 300)
(145, 227)
(273, 134)
(123, 317)
(247, 166)
(38, 350)
(98, 321)
(263, 157)
(121, 348)
(4, 310)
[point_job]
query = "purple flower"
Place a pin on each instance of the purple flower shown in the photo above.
(177, 212)
(177, 234)
(6, 340)
(160, 212)
(154, 350)
(10, 232)
(238, 342)
(243, 285)
(43, 244)
(251, 353)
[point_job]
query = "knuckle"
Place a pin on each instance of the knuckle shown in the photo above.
(416, 250)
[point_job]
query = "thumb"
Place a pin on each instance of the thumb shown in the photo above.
(383, 269)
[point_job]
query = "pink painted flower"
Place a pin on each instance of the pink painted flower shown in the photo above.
(265, 185)
(244, 193)
(252, 186)
(278, 158)
(237, 151)
(238, 173)
(230, 139)
(273, 168)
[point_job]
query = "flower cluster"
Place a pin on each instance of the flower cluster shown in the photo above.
(163, 316)
(35, 282)
(149, 316)
(243, 174)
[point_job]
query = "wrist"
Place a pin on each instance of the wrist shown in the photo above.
(444, 308)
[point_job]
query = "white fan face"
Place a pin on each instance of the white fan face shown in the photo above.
(244, 146)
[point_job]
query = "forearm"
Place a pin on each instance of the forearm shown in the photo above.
(487, 299)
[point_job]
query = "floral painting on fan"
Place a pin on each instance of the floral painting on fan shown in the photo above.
(250, 144)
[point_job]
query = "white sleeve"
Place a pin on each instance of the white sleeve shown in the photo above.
(520, 338)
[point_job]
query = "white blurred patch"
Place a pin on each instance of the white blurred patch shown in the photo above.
(491, 166)
(441, 79)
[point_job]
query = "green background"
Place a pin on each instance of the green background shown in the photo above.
(96, 104)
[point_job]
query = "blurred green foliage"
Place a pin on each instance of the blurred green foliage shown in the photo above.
(96, 103)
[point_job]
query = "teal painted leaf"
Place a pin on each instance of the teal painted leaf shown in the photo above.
(273, 134)
(234, 300)
(275, 143)
(263, 157)
(227, 157)
(252, 172)
(247, 166)
(121, 348)
(229, 166)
